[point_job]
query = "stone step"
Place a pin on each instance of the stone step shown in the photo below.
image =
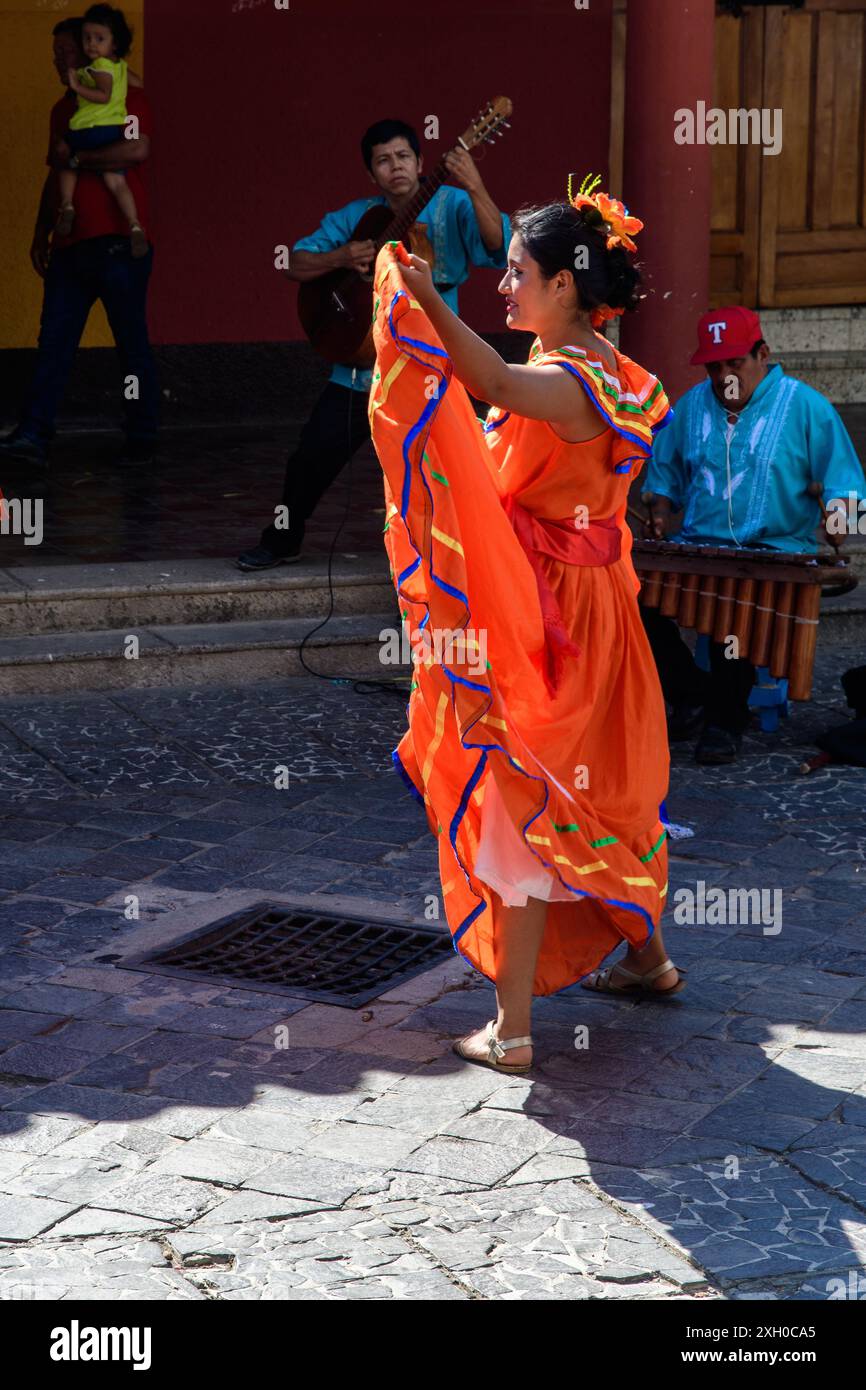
(824, 345)
(840, 376)
(199, 653)
(843, 619)
(242, 652)
(40, 599)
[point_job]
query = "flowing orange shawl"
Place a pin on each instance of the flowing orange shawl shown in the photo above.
(575, 740)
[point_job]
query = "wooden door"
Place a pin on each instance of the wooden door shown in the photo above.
(790, 229)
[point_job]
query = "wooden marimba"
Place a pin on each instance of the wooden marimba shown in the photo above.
(768, 599)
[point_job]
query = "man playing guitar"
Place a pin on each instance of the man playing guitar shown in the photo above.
(459, 227)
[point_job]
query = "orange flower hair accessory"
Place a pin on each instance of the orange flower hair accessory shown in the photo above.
(613, 215)
(602, 313)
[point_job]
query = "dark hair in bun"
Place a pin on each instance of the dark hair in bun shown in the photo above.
(553, 234)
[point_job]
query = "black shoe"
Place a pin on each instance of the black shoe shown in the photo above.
(261, 558)
(684, 722)
(716, 746)
(20, 446)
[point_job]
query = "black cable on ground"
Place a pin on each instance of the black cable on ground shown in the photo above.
(361, 687)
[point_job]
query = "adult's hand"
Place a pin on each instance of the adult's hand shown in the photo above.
(418, 278)
(39, 254)
(359, 255)
(662, 511)
(463, 170)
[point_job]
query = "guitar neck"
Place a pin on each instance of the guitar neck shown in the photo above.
(400, 224)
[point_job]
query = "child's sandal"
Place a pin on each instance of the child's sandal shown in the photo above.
(138, 241)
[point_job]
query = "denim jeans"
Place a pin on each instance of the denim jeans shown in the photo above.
(98, 268)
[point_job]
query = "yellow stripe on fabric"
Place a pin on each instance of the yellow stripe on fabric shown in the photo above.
(497, 723)
(663, 892)
(387, 383)
(437, 736)
(580, 868)
(538, 839)
(446, 887)
(446, 540)
(640, 882)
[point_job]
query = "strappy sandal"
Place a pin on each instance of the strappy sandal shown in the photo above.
(138, 240)
(599, 981)
(496, 1048)
(65, 219)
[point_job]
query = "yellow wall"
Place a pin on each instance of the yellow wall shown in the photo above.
(29, 88)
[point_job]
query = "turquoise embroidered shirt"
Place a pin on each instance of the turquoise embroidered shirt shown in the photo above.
(450, 223)
(786, 436)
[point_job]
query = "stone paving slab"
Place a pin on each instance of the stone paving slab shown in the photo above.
(156, 1142)
(759, 1221)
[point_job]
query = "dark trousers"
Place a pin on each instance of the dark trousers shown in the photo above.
(98, 268)
(334, 432)
(723, 691)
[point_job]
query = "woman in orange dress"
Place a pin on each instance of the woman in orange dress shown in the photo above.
(537, 738)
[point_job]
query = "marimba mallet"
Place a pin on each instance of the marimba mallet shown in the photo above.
(816, 490)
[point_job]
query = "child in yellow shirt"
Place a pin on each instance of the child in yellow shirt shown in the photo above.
(100, 119)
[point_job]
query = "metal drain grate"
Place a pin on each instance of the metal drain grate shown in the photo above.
(270, 946)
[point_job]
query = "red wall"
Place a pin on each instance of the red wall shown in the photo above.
(259, 114)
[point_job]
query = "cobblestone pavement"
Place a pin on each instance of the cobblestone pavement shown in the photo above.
(156, 1143)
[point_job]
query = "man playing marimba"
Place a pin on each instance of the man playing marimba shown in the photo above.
(738, 459)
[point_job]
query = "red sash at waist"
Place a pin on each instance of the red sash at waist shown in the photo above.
(597, 543)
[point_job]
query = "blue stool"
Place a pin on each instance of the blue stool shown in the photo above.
(768, 695)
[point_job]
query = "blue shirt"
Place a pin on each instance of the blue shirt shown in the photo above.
(452, 228)
(786, 436)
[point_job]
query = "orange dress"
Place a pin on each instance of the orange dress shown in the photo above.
(536, 738)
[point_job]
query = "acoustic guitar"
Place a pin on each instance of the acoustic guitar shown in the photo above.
(336, 309)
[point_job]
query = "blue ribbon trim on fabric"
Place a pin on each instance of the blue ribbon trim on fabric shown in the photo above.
(618, 429)
(497, 424)
(409, 571)
(665, 420)
(399, 768)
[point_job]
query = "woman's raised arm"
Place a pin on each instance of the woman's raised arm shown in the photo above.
(537, 393)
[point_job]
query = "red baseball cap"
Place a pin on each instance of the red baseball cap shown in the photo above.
(726, 333)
